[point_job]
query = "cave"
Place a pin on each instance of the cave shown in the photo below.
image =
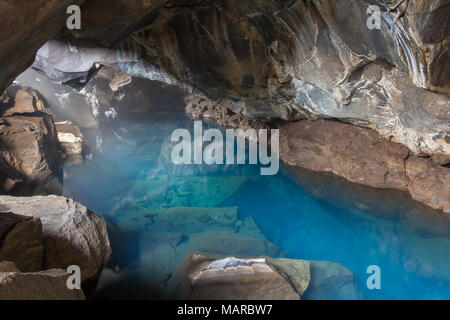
(217, 150)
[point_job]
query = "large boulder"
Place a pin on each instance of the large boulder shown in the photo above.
(72, 234)
(206, 278)
(29, 148)
(212, 276)
(44, 285)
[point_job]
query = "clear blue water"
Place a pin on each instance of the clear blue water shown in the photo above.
(313, 216)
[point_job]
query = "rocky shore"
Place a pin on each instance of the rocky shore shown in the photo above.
(44, 235)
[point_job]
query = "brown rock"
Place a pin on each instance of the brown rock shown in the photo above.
(21, 241)
(429, 183)
(362, 156)
(357, 154)
(28, 147)
(72, 234)
(202, 277)
(22, 100)
(296, 271)
(43, 285)
(111, 20)
(8, 266)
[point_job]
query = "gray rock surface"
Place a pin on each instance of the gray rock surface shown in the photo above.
(295, 59)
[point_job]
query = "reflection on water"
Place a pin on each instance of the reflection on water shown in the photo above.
(158, 212)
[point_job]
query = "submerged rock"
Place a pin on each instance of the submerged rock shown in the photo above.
(72, 234)
(160, 240)
(44, 285)
(331, 281)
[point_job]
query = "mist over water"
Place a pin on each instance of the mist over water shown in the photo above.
(132, 178)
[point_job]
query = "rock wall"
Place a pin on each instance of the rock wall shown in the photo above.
(363, 156)
(307, 59)
(24, 28)
(291, 60)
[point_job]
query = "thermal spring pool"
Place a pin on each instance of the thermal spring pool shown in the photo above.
(158, 212)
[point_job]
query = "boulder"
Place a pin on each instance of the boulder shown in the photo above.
(44, 285)
(213, 276)
(28, 147)
(22, 100)
(206, 278)
(21, 241)
(72, 234)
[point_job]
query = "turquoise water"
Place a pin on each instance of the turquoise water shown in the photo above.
(130, 180)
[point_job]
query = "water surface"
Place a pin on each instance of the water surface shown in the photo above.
(130, 180)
